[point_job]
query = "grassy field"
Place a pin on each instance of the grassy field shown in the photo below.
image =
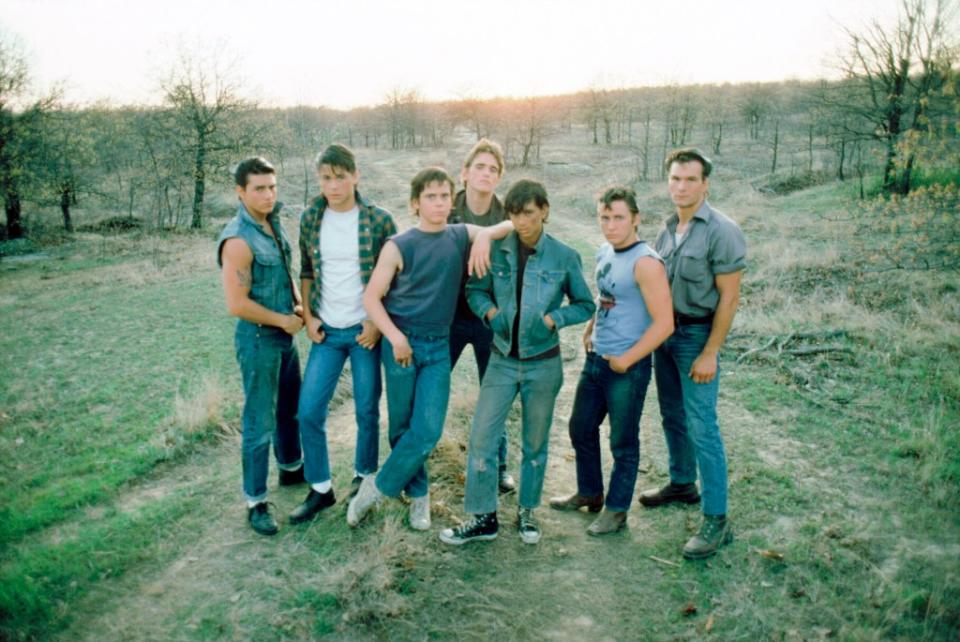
(840, 401)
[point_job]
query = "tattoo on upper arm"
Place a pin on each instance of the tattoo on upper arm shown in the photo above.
(245, 277)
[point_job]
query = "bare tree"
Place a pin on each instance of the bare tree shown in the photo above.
(754, 107)
(203, 93)
(527, 127)
(20, 126)
(66, 159)
(896, 75)
(403, 108)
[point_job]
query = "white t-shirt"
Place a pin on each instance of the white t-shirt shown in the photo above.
(341, 289)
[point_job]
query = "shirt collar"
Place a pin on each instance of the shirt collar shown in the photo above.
(509, 245)
(704, 213)
(247, 217)
(320, 202)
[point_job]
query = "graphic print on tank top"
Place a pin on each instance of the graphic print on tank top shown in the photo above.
(605, 285)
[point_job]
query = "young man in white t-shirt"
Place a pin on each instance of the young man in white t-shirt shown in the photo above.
(341, 235)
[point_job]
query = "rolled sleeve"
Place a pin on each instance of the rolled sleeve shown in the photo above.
(728, 250)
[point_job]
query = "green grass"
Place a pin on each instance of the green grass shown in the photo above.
(68, 407)
(846, 464)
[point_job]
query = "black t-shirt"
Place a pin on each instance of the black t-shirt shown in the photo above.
(523, 253)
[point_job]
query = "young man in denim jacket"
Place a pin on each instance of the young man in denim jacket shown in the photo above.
(521, 299)
(254, 253)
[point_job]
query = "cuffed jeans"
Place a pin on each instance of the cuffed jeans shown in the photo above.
(538, 383)
(417, 397)
(689, 412)
(471, 331)
(601, 392)
(320, 382)
(270, 369)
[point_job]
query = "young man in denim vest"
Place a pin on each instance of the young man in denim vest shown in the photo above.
(521, 299)
(705, 255)
(411, 298)
(477, 204)
(634, 316)
(341, 235)
(254, 254)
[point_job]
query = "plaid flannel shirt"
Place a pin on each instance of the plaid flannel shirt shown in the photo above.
(375, 226)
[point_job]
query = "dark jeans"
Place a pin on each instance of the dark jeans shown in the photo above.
(470, 330)
(689, 412)
(601, 393)
(270, 369)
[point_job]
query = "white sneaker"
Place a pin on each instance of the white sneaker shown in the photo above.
(367, 498)
(420, 513)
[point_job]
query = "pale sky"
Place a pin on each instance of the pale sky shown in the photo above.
(353, 52)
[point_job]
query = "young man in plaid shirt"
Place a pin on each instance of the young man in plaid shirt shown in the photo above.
(341, 235)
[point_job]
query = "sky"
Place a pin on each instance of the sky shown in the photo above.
(354, 52)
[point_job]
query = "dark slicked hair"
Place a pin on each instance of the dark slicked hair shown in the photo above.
(254, 165)
(616, 193)
(525, 191)
(687, 155)
(337, 155)
(426, 176)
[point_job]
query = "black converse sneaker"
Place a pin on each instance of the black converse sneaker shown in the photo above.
(480, 528)
(528, 526)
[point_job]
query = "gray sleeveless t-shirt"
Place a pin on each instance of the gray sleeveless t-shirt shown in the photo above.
(423, 296)
(622, 315)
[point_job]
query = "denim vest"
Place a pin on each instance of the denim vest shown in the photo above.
(552, 272)
(271, 285)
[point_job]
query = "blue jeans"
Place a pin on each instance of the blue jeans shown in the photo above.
(538, 383)
(464, 331)
(689, 412)
(601, 392)
(319, 383)
(270, 369)
(417, 397)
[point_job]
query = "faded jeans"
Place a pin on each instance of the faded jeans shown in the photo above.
(538, 383)
(270, 369)
(689, 412)
(417, 397)
(320, 382)
(602, 393)
(471, 331)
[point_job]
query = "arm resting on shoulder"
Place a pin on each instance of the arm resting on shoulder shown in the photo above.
(481, 238)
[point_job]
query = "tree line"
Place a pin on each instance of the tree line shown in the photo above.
(894, 112)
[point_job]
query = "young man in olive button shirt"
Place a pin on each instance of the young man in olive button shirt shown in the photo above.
(477, 204)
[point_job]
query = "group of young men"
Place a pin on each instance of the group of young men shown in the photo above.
(477, 270)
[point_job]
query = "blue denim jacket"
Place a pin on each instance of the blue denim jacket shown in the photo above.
(552, 272)
(270, 285)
